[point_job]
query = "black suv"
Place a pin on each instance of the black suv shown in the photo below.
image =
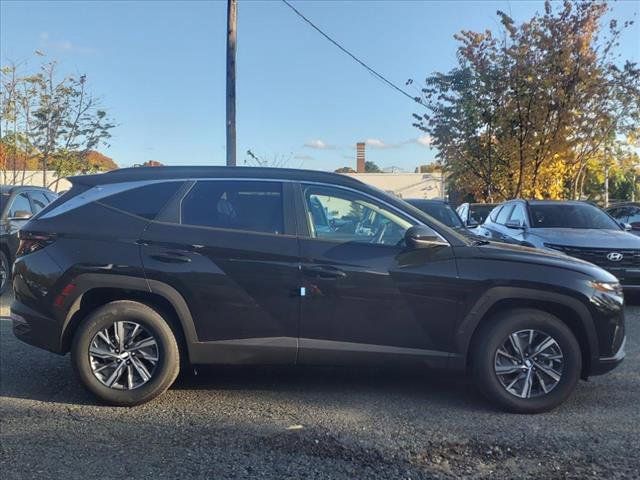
(17, 205)
(579, 229)
(137, 269)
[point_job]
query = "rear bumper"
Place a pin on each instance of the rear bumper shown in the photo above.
(35, 329)
(606, 364)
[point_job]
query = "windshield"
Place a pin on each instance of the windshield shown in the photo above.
(570, 216)
(442, 212)
(479, 213)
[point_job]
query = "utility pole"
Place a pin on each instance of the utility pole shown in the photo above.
(232, 9)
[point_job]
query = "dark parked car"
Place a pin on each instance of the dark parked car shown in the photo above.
(474, 214)
(440, 210)
(627, 213)
(17, 205)
(275, 266)
(578, 229)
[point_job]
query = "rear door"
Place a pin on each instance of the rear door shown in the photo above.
(229, 248)
(367, 297)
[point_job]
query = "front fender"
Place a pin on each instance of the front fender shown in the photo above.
(465, 330)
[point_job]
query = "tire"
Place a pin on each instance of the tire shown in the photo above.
(5, 272)
(140, 379)
(545, 392)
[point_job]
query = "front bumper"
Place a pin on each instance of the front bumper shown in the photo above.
(629, 277)
(606, 364)
(35, 329)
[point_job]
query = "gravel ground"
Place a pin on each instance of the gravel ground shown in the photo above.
(310, 423)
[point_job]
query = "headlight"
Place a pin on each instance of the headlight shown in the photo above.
(607, 287)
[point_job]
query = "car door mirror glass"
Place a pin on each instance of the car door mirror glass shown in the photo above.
(21, 215)
(421, 236)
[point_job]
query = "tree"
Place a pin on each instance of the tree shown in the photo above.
(152, 163)
(50, 122)
(435, 167)
(97, 162)
(345, 170)
(526, 112)
(371, 167)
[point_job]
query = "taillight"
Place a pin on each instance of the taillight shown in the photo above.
(32, 242)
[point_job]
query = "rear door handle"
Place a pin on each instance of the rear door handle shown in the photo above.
(323, 271)
(171, 257)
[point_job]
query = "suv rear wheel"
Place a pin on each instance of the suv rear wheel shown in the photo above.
(125, 353)
(527, 361)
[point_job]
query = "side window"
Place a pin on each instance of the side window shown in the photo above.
(504, 214)
(20, 204)
(239, 205)
(38, 200)
(146, 201)
(634, 217)
(620, 214)
(493, 216)
(344, 216)
(518, 215)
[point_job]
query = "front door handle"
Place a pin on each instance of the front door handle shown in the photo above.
(171, 257)
(323, 271)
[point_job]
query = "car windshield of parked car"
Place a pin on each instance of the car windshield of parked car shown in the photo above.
(442, 212)
(570, 216)
(478, 213)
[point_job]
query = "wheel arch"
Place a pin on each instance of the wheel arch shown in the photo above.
(567, 309)
(94, 290)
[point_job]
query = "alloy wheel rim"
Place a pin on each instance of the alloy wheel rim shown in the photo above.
(529, 363)
(124, 355)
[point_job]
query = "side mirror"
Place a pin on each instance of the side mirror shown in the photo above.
(517, 224)
(627, 227)
(472, 223)
(21, 215)
(421, 236)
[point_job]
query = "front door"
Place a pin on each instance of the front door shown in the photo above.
(368, 298)
(229, 248)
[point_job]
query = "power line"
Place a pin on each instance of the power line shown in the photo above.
(367, 67)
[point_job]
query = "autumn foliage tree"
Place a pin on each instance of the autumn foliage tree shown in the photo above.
(533, 110)
(50, 122)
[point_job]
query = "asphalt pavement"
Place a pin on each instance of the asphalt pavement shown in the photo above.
(310, 423)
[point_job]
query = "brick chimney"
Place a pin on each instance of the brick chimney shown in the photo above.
(360, 157)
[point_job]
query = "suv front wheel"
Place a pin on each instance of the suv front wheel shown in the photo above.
(526, 360)
(125, 353)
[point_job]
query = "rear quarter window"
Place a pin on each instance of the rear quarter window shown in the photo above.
(146, 201)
